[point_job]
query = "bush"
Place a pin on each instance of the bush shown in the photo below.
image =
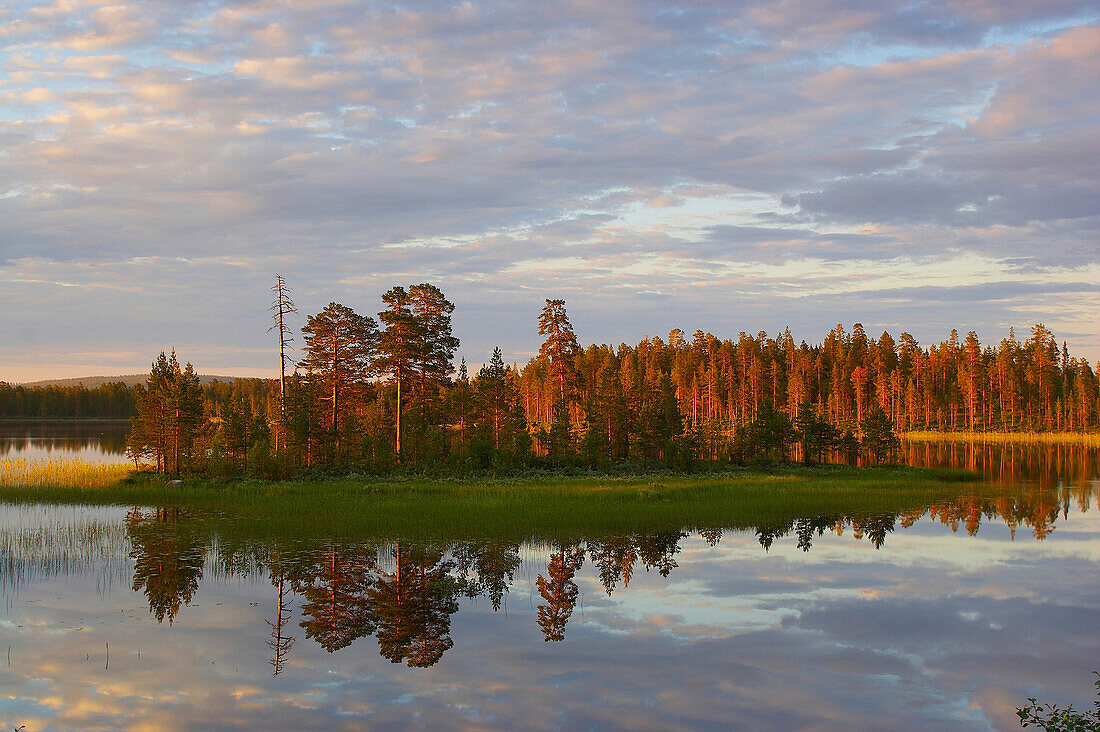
(1053, 718)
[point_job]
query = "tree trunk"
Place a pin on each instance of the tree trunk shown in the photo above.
(398, 451)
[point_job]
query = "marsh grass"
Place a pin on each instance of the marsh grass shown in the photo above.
(1086, 439)
(59, 472)
(35, 549)
(524, 508)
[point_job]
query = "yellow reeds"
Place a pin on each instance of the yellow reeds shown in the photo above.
(60, 472)
(1088, 439)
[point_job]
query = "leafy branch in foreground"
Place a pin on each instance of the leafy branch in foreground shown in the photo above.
(1053, 718)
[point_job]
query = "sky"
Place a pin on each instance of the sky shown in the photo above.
(723, 166)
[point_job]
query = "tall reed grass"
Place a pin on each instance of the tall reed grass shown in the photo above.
(1086, 439)
(60, 472)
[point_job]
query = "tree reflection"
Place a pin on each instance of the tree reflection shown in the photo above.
(334, 585)
(614, 558)
(413, 605)
(658, 550)
(169, 559)
(408, 596)
(493, 562)
(280, 641)
(559, 590)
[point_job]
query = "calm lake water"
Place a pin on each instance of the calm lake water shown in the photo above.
(101, 441)
(943, 618)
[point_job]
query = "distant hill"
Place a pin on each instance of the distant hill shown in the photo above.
(91, 382)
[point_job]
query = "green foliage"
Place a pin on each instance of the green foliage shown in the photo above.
(169, 415)
(340, 349)
(815, 434)
(769, 435)
(560, 345)
(849, 446)
(683, 405)
(1053, 718)
(878, 434)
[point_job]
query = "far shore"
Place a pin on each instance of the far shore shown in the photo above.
(62, 420)
(1074, 438)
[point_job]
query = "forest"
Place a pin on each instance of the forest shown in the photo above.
(376, 394)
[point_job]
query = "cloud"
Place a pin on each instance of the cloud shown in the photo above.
(644, 145)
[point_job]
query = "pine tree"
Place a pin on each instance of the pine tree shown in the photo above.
(333, 587)
(340, 347)
(560, 345)
(416, 347)
(433, 313)
(169, 412)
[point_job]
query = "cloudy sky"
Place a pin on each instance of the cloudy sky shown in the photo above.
(726, 166)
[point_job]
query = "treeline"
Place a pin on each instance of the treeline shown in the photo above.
(719, 385)
(113, 400)
(372, 395)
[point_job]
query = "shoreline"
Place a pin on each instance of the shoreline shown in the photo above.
(1020, 438)
(527, 505)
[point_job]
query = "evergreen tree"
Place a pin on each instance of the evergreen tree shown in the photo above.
(414, 605)
(815, 434)
(499, 415)
(878, 434)
(560, 345)
(416, 346)
(169, 413)
(559, 591)
(336, 609)
(340, 347)
(432, 312)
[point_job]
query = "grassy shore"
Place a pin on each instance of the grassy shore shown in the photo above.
(525, 506)
(22, 473)
(1087, 439)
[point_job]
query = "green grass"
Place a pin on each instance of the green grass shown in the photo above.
(520, 508)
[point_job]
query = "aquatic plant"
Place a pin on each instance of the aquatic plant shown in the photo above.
(1088, 439)
(56, 472)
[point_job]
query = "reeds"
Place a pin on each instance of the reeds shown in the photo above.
(60, 472)
(1087, 439)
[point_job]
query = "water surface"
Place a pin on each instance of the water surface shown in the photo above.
(944, 620)
(100, 441)
(945, 617)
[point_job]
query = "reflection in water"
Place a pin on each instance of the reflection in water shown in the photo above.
(841, 621)
(492, 565)
(94, 440)
(170, 557)
(332, 583)
(559, 590)
(280, 642)
(404, 593)
(1045, 466)
(414, 603)
(692, 601)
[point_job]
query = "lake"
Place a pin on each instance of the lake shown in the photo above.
(102, 441)
(945, 617)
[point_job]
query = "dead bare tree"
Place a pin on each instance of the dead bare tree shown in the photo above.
(280, 308)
